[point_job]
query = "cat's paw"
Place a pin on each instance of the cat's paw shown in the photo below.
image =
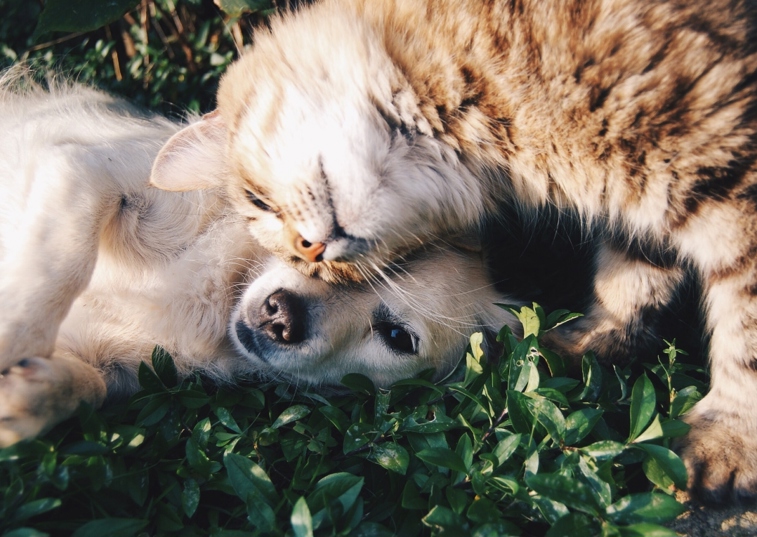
(720, 454)
(572, 343)
(36, 393)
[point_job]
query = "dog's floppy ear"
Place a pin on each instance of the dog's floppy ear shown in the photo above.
(193, 158)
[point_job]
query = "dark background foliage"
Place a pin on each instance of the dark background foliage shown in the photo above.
(164, 54)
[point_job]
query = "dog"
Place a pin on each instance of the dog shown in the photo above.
(97, 267)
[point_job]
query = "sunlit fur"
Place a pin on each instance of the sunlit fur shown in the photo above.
(96, 268)
(373, 126)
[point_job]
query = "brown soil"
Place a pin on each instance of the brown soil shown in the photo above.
(701, 521)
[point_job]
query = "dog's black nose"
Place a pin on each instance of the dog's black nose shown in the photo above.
(282, 317)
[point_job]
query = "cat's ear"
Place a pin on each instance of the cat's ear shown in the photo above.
(193, 158)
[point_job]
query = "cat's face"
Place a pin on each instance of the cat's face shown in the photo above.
(332, 188)
(333, 164)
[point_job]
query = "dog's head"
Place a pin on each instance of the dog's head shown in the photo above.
(326, 148)
(417, 316)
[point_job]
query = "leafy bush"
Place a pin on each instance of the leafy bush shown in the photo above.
(164, 54)
(512, 447)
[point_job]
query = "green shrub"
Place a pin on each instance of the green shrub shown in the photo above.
(164, 54)
(512, 447)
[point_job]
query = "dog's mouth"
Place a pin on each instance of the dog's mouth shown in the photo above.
(247, 339)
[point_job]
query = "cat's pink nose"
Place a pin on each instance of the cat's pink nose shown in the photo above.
(310, 251)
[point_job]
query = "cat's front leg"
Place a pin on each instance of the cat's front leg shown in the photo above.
(629, 292)
(720, 451)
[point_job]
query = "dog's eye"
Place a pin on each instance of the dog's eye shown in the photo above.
(397, 337)
(257, 202)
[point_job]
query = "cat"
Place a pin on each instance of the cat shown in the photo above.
(356, 130)
(96, 268)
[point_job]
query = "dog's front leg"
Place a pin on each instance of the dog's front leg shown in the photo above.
(49, 247)
(37, 393)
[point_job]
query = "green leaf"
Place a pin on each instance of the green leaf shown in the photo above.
(226, 419)
(197, 459)
(80, 15)
(148, 379)
(528, 318)
(474, 360)
(653, 432)
(684, 400)
(443, 457)
(506, 447)
(464, 448)
(559, 317)
(112, 527)
(523, 365)
(551, 510)
(663, 467)
(483, 511)
(164, 367)
(293, 413)
(555, 362)
(247, 478)
(392, 456)
(341, 487)
(35, 508)
(411, 499)
(592, 376)
(519, 412)
(590, 472)
(359, 383)
(193, 398)
(302, 522)
(236, 8)
(650, 507)
(444, 519)
(580, 423)
(357, 436)
(260, 514)
(643, 402)
(25, 532)
(566, 490)
(674, 428)
(572, 525)
(335, 416)
(549, 416)
(500, 528)
(457, 499)
(646, 530)
(604, 449)
(190, 497)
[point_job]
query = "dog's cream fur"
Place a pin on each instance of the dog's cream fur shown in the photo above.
(96, 268)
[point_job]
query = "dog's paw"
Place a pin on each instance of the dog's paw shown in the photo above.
(36, 393)
(22, 399)
(720, 454)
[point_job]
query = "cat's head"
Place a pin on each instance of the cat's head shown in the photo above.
(320, 142)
